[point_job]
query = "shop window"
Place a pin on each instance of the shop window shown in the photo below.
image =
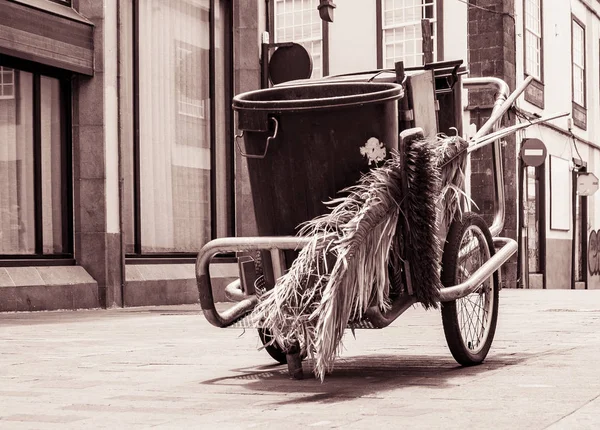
(35, 211)
(401, 31)
(298, 21)
(176, 178)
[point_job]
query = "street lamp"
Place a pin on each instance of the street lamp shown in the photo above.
(326, 10)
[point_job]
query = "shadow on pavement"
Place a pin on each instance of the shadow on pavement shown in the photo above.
(365, 375)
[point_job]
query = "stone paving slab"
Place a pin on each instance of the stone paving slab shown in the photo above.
(166, 367)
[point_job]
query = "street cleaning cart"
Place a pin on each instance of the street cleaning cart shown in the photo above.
(385, 150)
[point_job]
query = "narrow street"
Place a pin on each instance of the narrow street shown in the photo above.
(166, 367)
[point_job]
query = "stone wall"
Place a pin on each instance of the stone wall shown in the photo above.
(491, 49)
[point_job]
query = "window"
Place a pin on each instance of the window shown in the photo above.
(578, 63)
(298, 21)
(579, 112)
(35, 213)
(7, 83)
(401, 31)
(173, 189)
(533, 38)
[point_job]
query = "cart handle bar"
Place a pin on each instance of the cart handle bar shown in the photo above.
(230, 244)
(507, 248)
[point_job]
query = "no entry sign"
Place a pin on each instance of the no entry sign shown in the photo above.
(533, 152)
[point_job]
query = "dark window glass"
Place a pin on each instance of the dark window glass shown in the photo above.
(32, 171)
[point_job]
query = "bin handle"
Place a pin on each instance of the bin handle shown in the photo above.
(264, 154)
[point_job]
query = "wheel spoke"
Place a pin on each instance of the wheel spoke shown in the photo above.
(472, 310)
(469, 325)
(470, 328)
(478, 308)
(480, 326)
(476, 323)
(466, 326)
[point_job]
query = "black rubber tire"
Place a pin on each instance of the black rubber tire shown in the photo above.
(274, 350)
(465, 352)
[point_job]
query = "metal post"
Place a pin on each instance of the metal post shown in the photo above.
(278, 263)
(264, 61)
(427, 43)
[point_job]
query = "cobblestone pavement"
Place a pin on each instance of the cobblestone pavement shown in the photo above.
(166, 367)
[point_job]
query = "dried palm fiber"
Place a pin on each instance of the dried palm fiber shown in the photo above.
(452, 163)
(355, 250)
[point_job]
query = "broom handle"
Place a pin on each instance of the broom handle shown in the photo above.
(502, 104)
(477, 143)
(503, 101)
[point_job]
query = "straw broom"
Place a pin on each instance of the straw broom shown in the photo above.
(451, 161)
(356, 252)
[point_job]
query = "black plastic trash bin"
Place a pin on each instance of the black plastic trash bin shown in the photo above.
(306, 142)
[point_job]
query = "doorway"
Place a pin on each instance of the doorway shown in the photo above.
(533, 227)
(580, 235)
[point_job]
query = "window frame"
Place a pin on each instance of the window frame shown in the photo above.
(576, 22)
(324, 36)
(138, 256)
(539, 78)
(65, 258)
(534, 93)
(580, 108)
(438, 8)
(3, 73)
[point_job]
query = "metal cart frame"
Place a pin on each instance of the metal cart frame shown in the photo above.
(489, 133)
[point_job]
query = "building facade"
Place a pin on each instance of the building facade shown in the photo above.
(558, 44)
(117, 134)
(115, 149)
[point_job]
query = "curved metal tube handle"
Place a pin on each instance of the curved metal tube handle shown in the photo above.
(507, 248)
(229, 244)
(264, 154)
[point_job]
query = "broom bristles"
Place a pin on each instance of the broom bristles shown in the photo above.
(353, 250)
(452, 163)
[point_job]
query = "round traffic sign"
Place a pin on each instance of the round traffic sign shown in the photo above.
(533, 152)
(289, 63)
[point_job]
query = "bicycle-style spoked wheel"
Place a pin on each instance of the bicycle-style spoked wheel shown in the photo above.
(469, 322)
